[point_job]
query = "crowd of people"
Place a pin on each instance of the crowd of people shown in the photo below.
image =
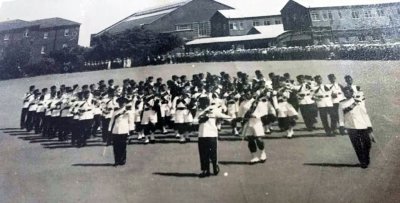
(198, 106)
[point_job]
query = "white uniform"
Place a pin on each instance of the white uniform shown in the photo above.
(304, 94)
(323, 96)
(356, 117)
(209, 128)
(149, 115)
(255, 125)
(337, 94)
(120, 122)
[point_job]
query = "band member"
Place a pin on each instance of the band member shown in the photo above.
(85, 119)
(306, 104)
(287, 115)
(32, 116)
(149, 115)
(337, 96)
(253, 127)
(108, 106)
(357, 93)
(180, 105)
(138, 101)
(323, 98)
(208, 133)
(28, 98)
(119, 127)
(354, 117)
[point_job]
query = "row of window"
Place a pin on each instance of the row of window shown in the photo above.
(45, 34)
(327, 15)
(203, 28)
(240, 25)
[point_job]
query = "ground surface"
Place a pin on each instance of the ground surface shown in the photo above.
(309, 168)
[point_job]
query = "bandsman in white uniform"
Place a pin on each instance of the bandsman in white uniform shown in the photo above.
(323, 98)
(354, 117)
(337, 96)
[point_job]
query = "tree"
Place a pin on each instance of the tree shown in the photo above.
(15, 56)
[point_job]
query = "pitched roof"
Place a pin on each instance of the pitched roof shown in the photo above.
(14, 24)
(54, 22)
(269, 30)
(339, 3)
(266, 32)
(42, 23)
(143, 17)
(240, 14)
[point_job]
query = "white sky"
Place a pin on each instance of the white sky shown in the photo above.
(95, 15)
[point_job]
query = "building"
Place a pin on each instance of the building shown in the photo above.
(257, 37)
(236, 23)
(42, 36)
(188, 19)
(340, 21)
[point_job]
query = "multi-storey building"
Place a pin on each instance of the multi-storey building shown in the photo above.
(41, 36)
(350, 21)
(236, 23)
(189, 19)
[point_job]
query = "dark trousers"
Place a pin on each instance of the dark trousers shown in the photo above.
(308, 112)
(104, 129)
(334, 116)
(323, 114)
(30, 120)
(96, 124)
(46, 126)
(75, 129)
(85, 131)
(207, 152)
(254, 143)
(65, 128)
(39, 122)
(119, 148)
(361, 144)
(24, 112)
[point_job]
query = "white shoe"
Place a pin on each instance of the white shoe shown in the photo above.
(182, 140)
(147, 141)
(290, 133)
(235, 132)
(254, 160)
(140, 136)
(177, 135)
(263, 156)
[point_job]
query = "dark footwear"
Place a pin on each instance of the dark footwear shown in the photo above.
(204, 174)
(364, 165)
(216, 169)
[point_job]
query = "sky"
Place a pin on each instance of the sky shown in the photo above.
(95, 15)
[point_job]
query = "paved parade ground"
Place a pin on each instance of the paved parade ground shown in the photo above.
(309, 168)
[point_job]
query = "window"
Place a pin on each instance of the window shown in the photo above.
(266, 22)
(66, 32)
(256, 23)
(340, 14)
(315, 17)
(241, 26)
(277, 22)
(368, 13)
(43, 50)
(45, 35)
(324, 16)
(380, 12)
(203, 29)
(355, 14)
(233, 26)
(6, 37)
(26, 33)
(183, 27)
(330, 15)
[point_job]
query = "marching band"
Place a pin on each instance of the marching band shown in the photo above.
(201, 105)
